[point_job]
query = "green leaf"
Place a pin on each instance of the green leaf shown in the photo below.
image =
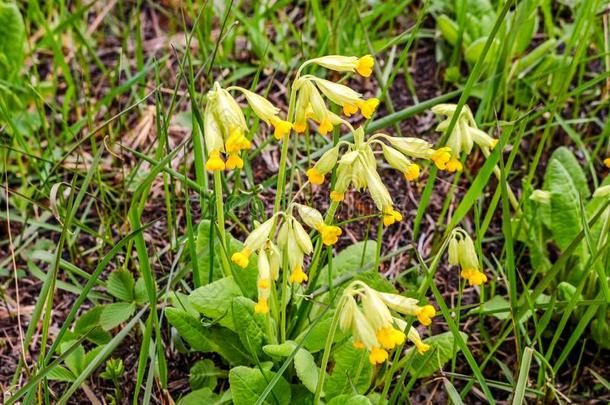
(350, 399)
(76, 359)
(306, 369)
(204, 374)
(89, 323)
(207, 260)
(214, 300)
(247, 385)
(114, 314)
(59, 373)
(441, 351)
(208, 339)
(350, 259)
(348, 361)
(316, 340)
(181, 301)
(201, 396)
(281, 349)
(566, 182)
(121, 285)
(251, 329)
(140, 294)
(12, 32)
(498, 307)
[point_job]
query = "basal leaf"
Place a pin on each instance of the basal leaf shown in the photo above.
(441, 351)
(251, 330)
(348, 362)
(306, 369)
(12, 32)
(204, 374)
(247, 385)
(214, 300)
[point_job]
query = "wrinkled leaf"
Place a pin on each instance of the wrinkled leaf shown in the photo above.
(114, 314)
(247, 385)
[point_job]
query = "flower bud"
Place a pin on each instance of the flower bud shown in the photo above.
(310, 216)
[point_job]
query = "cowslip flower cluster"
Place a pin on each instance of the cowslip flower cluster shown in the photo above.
(225, 126)
(463, 253)
(309, 90)
(358, 167)
(293, 244)
(464, 135)
(374, 327)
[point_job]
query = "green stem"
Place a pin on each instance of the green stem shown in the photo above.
(220, 219)
(326, 356)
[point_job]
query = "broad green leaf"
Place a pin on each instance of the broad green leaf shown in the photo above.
(121, 285)
(350, 399)
(281, 349)
(208, 339)
(348, 362)
(214, 300)
(140, 294)
(207, 258)
(316, 340)
(59, 373)
(251, 330)
(181, 301)
(114, 314)
(89, 323)
(12, 32)
(498, 307)
(441, 351)
(350, 259)
(247, 385)
(204, 374)
(566, 182)
(306, 369)
(202, 396)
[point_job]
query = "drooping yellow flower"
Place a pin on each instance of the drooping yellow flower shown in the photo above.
(409, 306)
(312, 217)
(241, 258)
(234, 162)
(441, 157)
(364, 66)
(336, 196)
(607, 162)
(298, 275)
(412, 172)
(390, 216)
(368, 107)
(214, 162)
(377, 356)
(325, 126)
(453, 165)
(314, 176)
(339, 63)
(390, 337)
(462, 251)
(261, 306)
(282, 128)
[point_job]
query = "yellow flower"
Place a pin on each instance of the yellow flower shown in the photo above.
(237, 141)
(299, 127)
(298, 275)
(325, 127)
(263, 283)
(241, 258)
(368, 107)
(412, 172)
(425, 314)
(214, 162)
(474, 276)
(282, 128)
(441, 157)
(453, 165)
(607, 162)
(421, 346)
(358, 344)
(390, 215)
(336, 196)
(390, 337)
(364, 65)
(377, 356)
(330, 233)
(234, 161)
(350, 109)
(314, 176)
(261, 307)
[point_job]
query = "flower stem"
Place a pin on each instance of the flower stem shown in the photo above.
(220, 220)
(327, 348)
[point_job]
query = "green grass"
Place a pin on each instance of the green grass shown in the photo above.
(87, 196)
